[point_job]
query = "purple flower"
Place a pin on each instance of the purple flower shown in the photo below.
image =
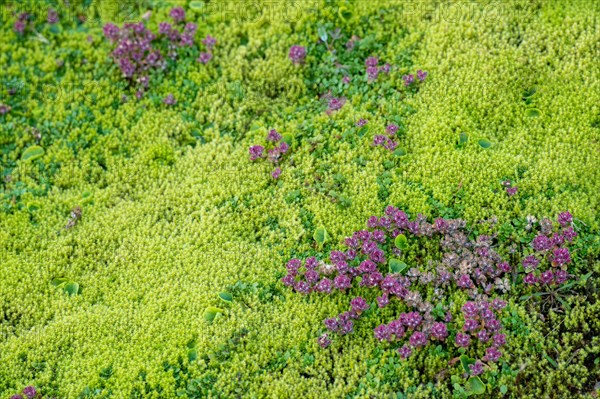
(493, 325)
(498, 304)
(302, 287)
(19, 27)
(372, 73)
(325, 285)
(283, 147)
(439, 330)
(383, 300)
(297, 54)
(178, 14)
(504, 267)
(412, 319)
(311, 262)
(331, 324)
(547, 277)
(361, 122)
(379, 140)
(392, 129)
(359, 305)
(273, 135)
(342, 282)
(382, 332)
(386, 68)
(187, 39)
(170, 100)
(511, 191)
(16, 397)
(397, 328)
(499, 339)
(312, 276)
(204, 58)
(471, 325)
(421, 75)
(530, 262)
(324, 341)
(4, 109)
(477, 368)
(561, 256)
(288, 280)
(209, 41)
(470, 309)
(346, 327)
(164, 28)
(139, 94)
(276, 173)
(530, 279)
(190, 28)
(404, 352)
(371, 61)
(30, 392)
(293, 264)
(464, 281)
(111, 32)
(483, 336)
(565, 218)
(560, 276)
(52, 16)
(492, 354)
(418, 339)
(346, 79)
(462, 340)
(448, 317)
(408, 79)
(541, 243)
(336, 103)
(569, 234)
(558, 239)
(256, 151)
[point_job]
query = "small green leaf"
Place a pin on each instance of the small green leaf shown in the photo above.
(57, 282)
(399, 152)
(33, 152)
(322, 32)
(226, 297)
(396, 266)
(197, 5)
(321, 236)
(503, 389)
(344, 13)
(362, 131)
(485, 143)
(466, 361)
(33, 206)
(288, 139)
(211, 312)
(463, 138)
(72, 288)
(401, 242)
(475, 386)
(533, 112)
(192, 354)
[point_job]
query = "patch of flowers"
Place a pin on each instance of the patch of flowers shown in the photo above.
(374, 258)
(276, 148)
(138, 51)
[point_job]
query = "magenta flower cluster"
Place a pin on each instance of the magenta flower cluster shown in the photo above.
(468, 264)
(278, 149)
(29, 392)
(388, 140)
(297, 54)
(138, 51)
(410, 78)
(510, 189)
(550, 247)
(373, 70)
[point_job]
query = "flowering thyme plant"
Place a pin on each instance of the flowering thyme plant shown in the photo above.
(279, 146)
(374, 258)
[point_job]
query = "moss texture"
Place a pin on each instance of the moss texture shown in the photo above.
(174, 212)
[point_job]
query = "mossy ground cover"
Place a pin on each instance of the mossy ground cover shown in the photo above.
(172, 211)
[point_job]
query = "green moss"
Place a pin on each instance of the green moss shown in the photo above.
(179, 213)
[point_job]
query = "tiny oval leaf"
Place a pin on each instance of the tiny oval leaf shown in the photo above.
(226, 297)
(33, 152)
(485, 143)
(401, 242)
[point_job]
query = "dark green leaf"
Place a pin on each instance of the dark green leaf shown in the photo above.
(485, 143)
(226, 297)
(397, 266)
